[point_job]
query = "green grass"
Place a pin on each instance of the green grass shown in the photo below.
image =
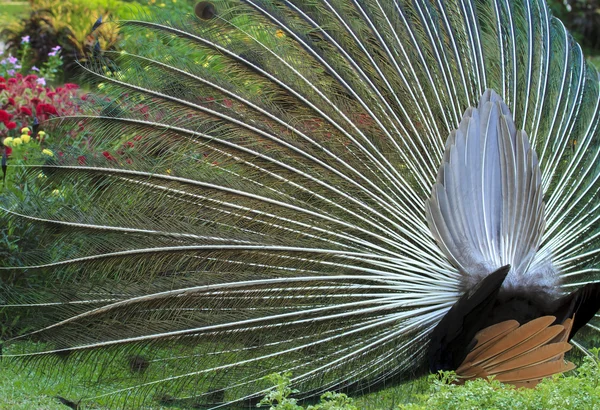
(21, 390)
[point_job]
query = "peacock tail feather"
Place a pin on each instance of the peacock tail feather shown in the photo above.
(271, 215)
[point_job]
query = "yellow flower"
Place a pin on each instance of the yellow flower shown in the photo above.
(58, 193)
(25, 130)
(47, 152)
(280, 33)
(168, 171)
(16, 142)
(8, 141)
(42, 176)
(26, 138)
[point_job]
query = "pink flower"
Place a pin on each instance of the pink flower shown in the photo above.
(41, 81)
(54, 51)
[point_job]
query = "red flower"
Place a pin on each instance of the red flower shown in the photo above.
(26, 111)
(2, 79)
(35, 101)
(46, 109)
(82, 160)
(50, 94)
(11, 101)
(128, 144)
(137, 137)
(108, 156)
(228, 103)
(10, 125)
(31, 78)
(8, 150)
(4, 116)
(3, 86)
(12, 80)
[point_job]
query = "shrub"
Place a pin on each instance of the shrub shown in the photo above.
(69, 25)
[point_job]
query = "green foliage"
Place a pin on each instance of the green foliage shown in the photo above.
(11, 11)
(279, 398)
(580, 390)
(68, 24)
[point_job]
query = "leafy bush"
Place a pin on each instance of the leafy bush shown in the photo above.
(68, 24)
(577, 390)
(278, 398)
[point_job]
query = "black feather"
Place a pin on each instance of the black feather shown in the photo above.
(452, 338)
(581, 304)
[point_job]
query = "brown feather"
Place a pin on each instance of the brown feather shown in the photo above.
(514, 338)
(540, 355)
(534, 342)
(472, 373)
(488, 335)
(519, 355)
(564, 335)
(494, 332)
(536, 372)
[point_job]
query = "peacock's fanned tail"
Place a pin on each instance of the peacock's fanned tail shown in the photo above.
(266, 209)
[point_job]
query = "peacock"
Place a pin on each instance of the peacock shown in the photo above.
(356, 192)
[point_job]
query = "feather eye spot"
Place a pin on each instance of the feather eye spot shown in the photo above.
(138, 364)
(205, 10)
